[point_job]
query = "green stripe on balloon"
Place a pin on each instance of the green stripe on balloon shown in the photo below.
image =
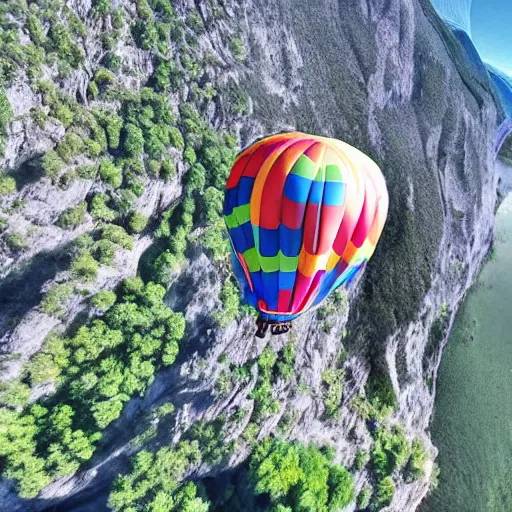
(288, 263)
(269, 263)
(304, 167)
(252, 259)
(242, 213)
(231, 221)
(332, 173)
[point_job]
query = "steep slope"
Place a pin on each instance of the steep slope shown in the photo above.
(387, 77)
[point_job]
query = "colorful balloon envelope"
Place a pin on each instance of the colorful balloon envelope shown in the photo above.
(304, 214)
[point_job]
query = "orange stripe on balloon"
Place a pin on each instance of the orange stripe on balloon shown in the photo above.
(309, 263)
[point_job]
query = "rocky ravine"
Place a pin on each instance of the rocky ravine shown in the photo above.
(385, 77)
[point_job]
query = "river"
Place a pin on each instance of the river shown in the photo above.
(472, 425)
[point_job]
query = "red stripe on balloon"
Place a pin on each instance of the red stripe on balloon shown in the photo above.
(330, 220)
(292, 213)
(237, 171)
(273, 189)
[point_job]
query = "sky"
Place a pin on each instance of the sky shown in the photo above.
(491, 30)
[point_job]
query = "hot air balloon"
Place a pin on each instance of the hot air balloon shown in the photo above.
(304, 214)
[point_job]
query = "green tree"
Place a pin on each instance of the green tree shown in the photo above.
(275, 468)
(133, 140)
(230, 299)
(7, 185)
(100, 210)
(110, 173)
(137, 222)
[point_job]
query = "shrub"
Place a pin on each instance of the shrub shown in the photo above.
(237, 47)
(104, 77)
(416, 464)
(62, 113)
(100, 210)
(14, 393)
(176, 139)
(73, 216)
(39, 116)
(334, 381)
(213, 200)
(70, 146)
(117, 235)
(385, 490)
(215, 240)
(137, 222)
(35, 29)
(56, 296)
(364, 497)
(167, 169)
(103, 300)
(133, 140)
(105, 252)
(84, 267)
(51, 164)
(7, 184)
(93, 148)
(93, 90)
(113, 125)
(230, 299)
(5, 110)
(110, 173)
(16, 241)
(389, 452)
(360, 459)
(153, 167)
(145, 34)
(101, 8)
(87, 172)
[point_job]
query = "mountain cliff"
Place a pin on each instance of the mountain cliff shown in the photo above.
(120, 121)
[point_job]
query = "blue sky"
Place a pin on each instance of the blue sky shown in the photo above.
(491, 29)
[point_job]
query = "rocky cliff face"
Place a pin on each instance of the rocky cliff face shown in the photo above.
(386, 77)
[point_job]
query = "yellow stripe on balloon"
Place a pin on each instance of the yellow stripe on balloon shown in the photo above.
(332, 261)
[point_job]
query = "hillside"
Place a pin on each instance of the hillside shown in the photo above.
(119, 123)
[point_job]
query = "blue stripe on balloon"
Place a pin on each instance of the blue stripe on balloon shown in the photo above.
(290, 240)
(269, 242)
(248, 234)
(245, 186)
(240, 243)
(270, 289)
(334, 193)
(297, 188)
(286, 280)
(315, 196)
(230, 200)
(257, 283)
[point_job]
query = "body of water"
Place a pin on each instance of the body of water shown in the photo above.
(472, 424)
